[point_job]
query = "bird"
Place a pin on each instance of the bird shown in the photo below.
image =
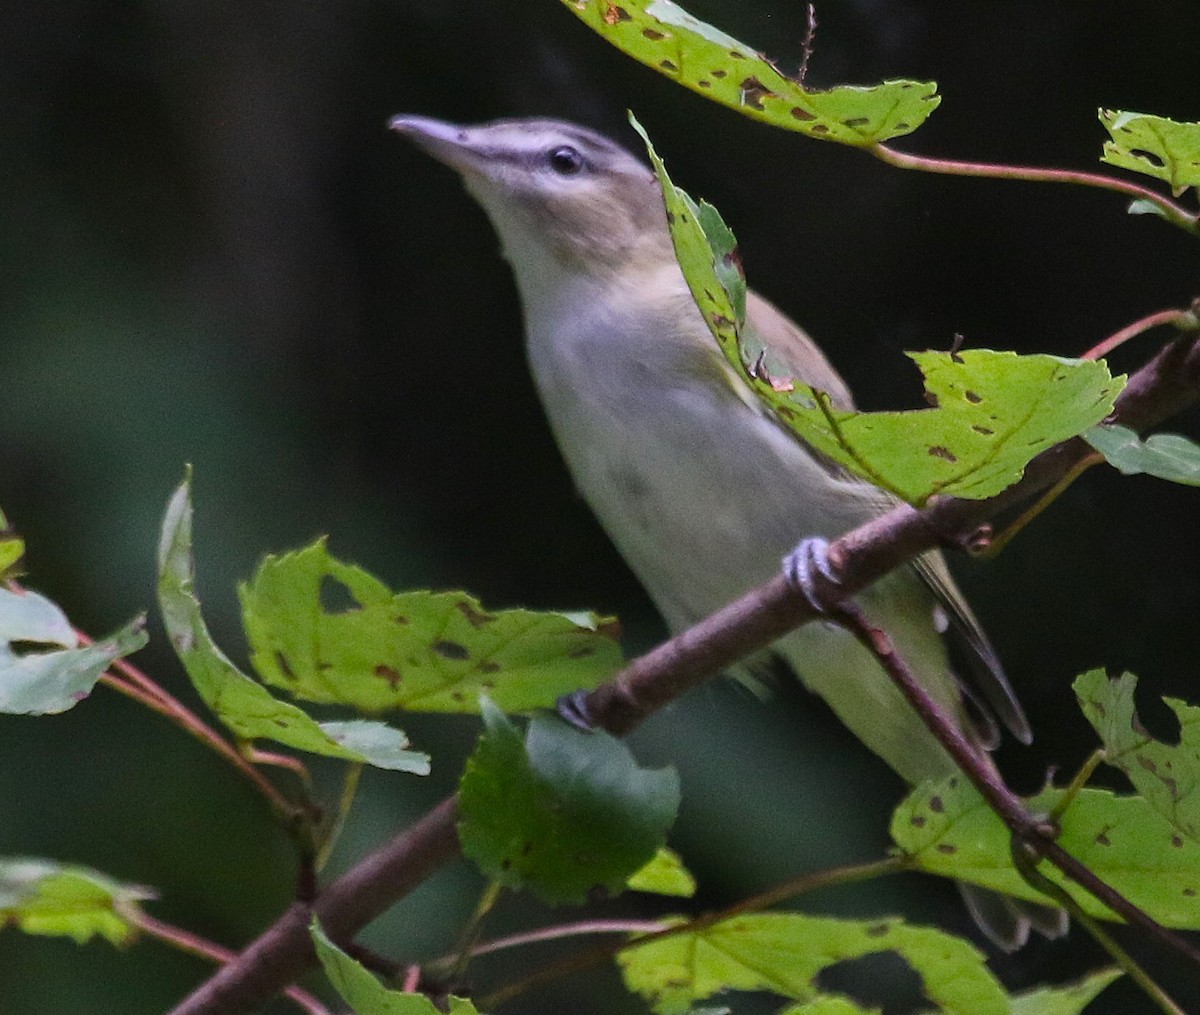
(699, 486)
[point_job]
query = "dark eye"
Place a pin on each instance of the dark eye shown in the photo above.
(565, 160)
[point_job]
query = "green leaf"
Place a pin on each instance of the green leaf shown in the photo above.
(664, 36)
(1153, 145)
(665, 874)
(1065, 1000)
(12, 549)
(829, 1004)
(34, 681)
(1167, 775)
(328, 631)
(61, 900)
(949, 830)
(365, 994)
(1164, 455)
(242, 704)
(567, 814)
(785, 952)
(992, 411)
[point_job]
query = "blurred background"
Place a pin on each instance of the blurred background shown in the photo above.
(213, 252)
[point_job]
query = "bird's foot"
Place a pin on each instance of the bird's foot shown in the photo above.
(808, 569)
(574, 709)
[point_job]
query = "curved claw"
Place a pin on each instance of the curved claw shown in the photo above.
(574, 709)
(806, 567)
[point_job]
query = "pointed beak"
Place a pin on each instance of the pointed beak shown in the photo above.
(449, 143)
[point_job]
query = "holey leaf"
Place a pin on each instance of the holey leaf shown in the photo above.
(990, 414)
(365, 994)
(785, 952)
(49, 898)
(242, 704)
(664, 36)
(1167, 775)
(1153, 145)
(566, 814)
(43, 668)
(330, 632)
(949, 830)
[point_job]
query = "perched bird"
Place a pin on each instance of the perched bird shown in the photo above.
(699, 487)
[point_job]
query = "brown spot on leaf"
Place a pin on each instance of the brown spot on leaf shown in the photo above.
(388, 673)
(489, 666)
(878, 930)
(458, 696)
(1148, 765)
(937, 451)
(820, 128)
(754, 91)
(1177, 841)
(704, 83)
(982, 430)
(936, 805)
(400, 618)
(476, 618)
(1102, 838)
(581, 651)
(284, 666)
(973, 397)
(614, 15)
(667, 65)
(801, 114)
(1190, 892)
(718, 73)
(857, 121)
(450, 650)
(653, 34)
(945, 847)
(903, 126)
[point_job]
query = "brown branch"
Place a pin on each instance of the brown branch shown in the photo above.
(1161, 388)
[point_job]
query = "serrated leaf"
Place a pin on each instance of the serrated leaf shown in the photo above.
(330, 632)
(664, 36)
(12, 549)
(785, 952)
(1070, 999)
(665, 874)
(365, 994)
(1153, 145)
(992, 411)
(243, 705)
(37, 681)
(1167, 775)
(1162, 455)
(568, 815)
(63, 900)
(949, 830)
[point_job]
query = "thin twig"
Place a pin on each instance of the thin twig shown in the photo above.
(1174, 213)
(1183, 319)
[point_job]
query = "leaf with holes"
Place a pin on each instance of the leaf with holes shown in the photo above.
(63, 900)
(328, 631)
(664, 36)
(566, 814)
(991, 413)
(784, 953)
(43, 668)
(1167, 775)
(242, 704)
(365, 994)
(1153, 145)
(1162, 455)
(949, 830)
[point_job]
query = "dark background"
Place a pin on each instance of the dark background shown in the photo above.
(212, 251)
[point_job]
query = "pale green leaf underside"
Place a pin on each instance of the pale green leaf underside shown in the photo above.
(563, 813)
(1167, 775)
(1070, 999)
(784, 952)
(49, 680)
(949, 830)
(62, 900)
(327, 631)
(1165, 455)
(994, 411)
(243, 705)
(1153, 145)
(664, 36)
(365, 994)
(665, 874)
